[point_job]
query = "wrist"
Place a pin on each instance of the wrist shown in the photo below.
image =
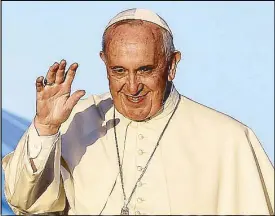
(45, 129)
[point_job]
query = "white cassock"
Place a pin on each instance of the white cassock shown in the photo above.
(206, 163)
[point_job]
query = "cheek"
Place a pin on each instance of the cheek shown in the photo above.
(115, 83)
(155, 83)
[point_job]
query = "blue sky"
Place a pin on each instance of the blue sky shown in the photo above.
(227, 50)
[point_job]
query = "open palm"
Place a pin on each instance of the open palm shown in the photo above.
(54, 101)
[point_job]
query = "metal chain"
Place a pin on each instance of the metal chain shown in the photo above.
(146, 166)
(120, 167)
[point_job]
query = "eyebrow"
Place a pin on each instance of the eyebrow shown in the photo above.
(116, 67)
(140, 68)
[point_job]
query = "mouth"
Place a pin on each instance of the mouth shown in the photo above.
(135, 99)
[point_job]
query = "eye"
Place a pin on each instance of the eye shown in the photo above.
(118, 70)
(146, 69)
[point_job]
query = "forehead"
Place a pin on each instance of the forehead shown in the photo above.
(140, 40)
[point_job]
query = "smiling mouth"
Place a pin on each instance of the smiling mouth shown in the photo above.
(135, 99)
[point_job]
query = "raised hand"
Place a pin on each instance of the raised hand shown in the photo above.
(53, 100)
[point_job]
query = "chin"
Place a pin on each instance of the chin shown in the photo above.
(136, 111)
(135, 116)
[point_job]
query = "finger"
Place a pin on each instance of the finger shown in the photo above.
(74, 98)
(60, 72)
(52, 73)
(39, 84)
(71, 74)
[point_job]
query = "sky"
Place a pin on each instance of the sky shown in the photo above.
(227, 53)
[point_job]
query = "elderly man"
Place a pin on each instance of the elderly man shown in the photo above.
(142, 148)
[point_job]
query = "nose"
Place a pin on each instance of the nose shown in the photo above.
(133, 84)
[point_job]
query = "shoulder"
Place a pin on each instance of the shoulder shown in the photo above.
(91, 100)
(209, 119)
(211, 129)
(93, 107)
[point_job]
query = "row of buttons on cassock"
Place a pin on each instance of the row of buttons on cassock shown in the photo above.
(140, 168)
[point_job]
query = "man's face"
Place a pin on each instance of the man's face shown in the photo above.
(137, 69)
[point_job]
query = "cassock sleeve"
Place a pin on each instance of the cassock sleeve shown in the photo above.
(246, 184)
(265, 170)
(29, 191)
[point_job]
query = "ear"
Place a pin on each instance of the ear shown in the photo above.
(102, 56)
(176, 56)
(104, 59)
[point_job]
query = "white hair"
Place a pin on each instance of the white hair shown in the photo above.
(168, 44)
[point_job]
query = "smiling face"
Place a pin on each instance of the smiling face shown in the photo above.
(137, 69)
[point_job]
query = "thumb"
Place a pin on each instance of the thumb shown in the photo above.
(74, 98)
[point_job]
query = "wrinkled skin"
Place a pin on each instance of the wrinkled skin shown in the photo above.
(137, 69)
